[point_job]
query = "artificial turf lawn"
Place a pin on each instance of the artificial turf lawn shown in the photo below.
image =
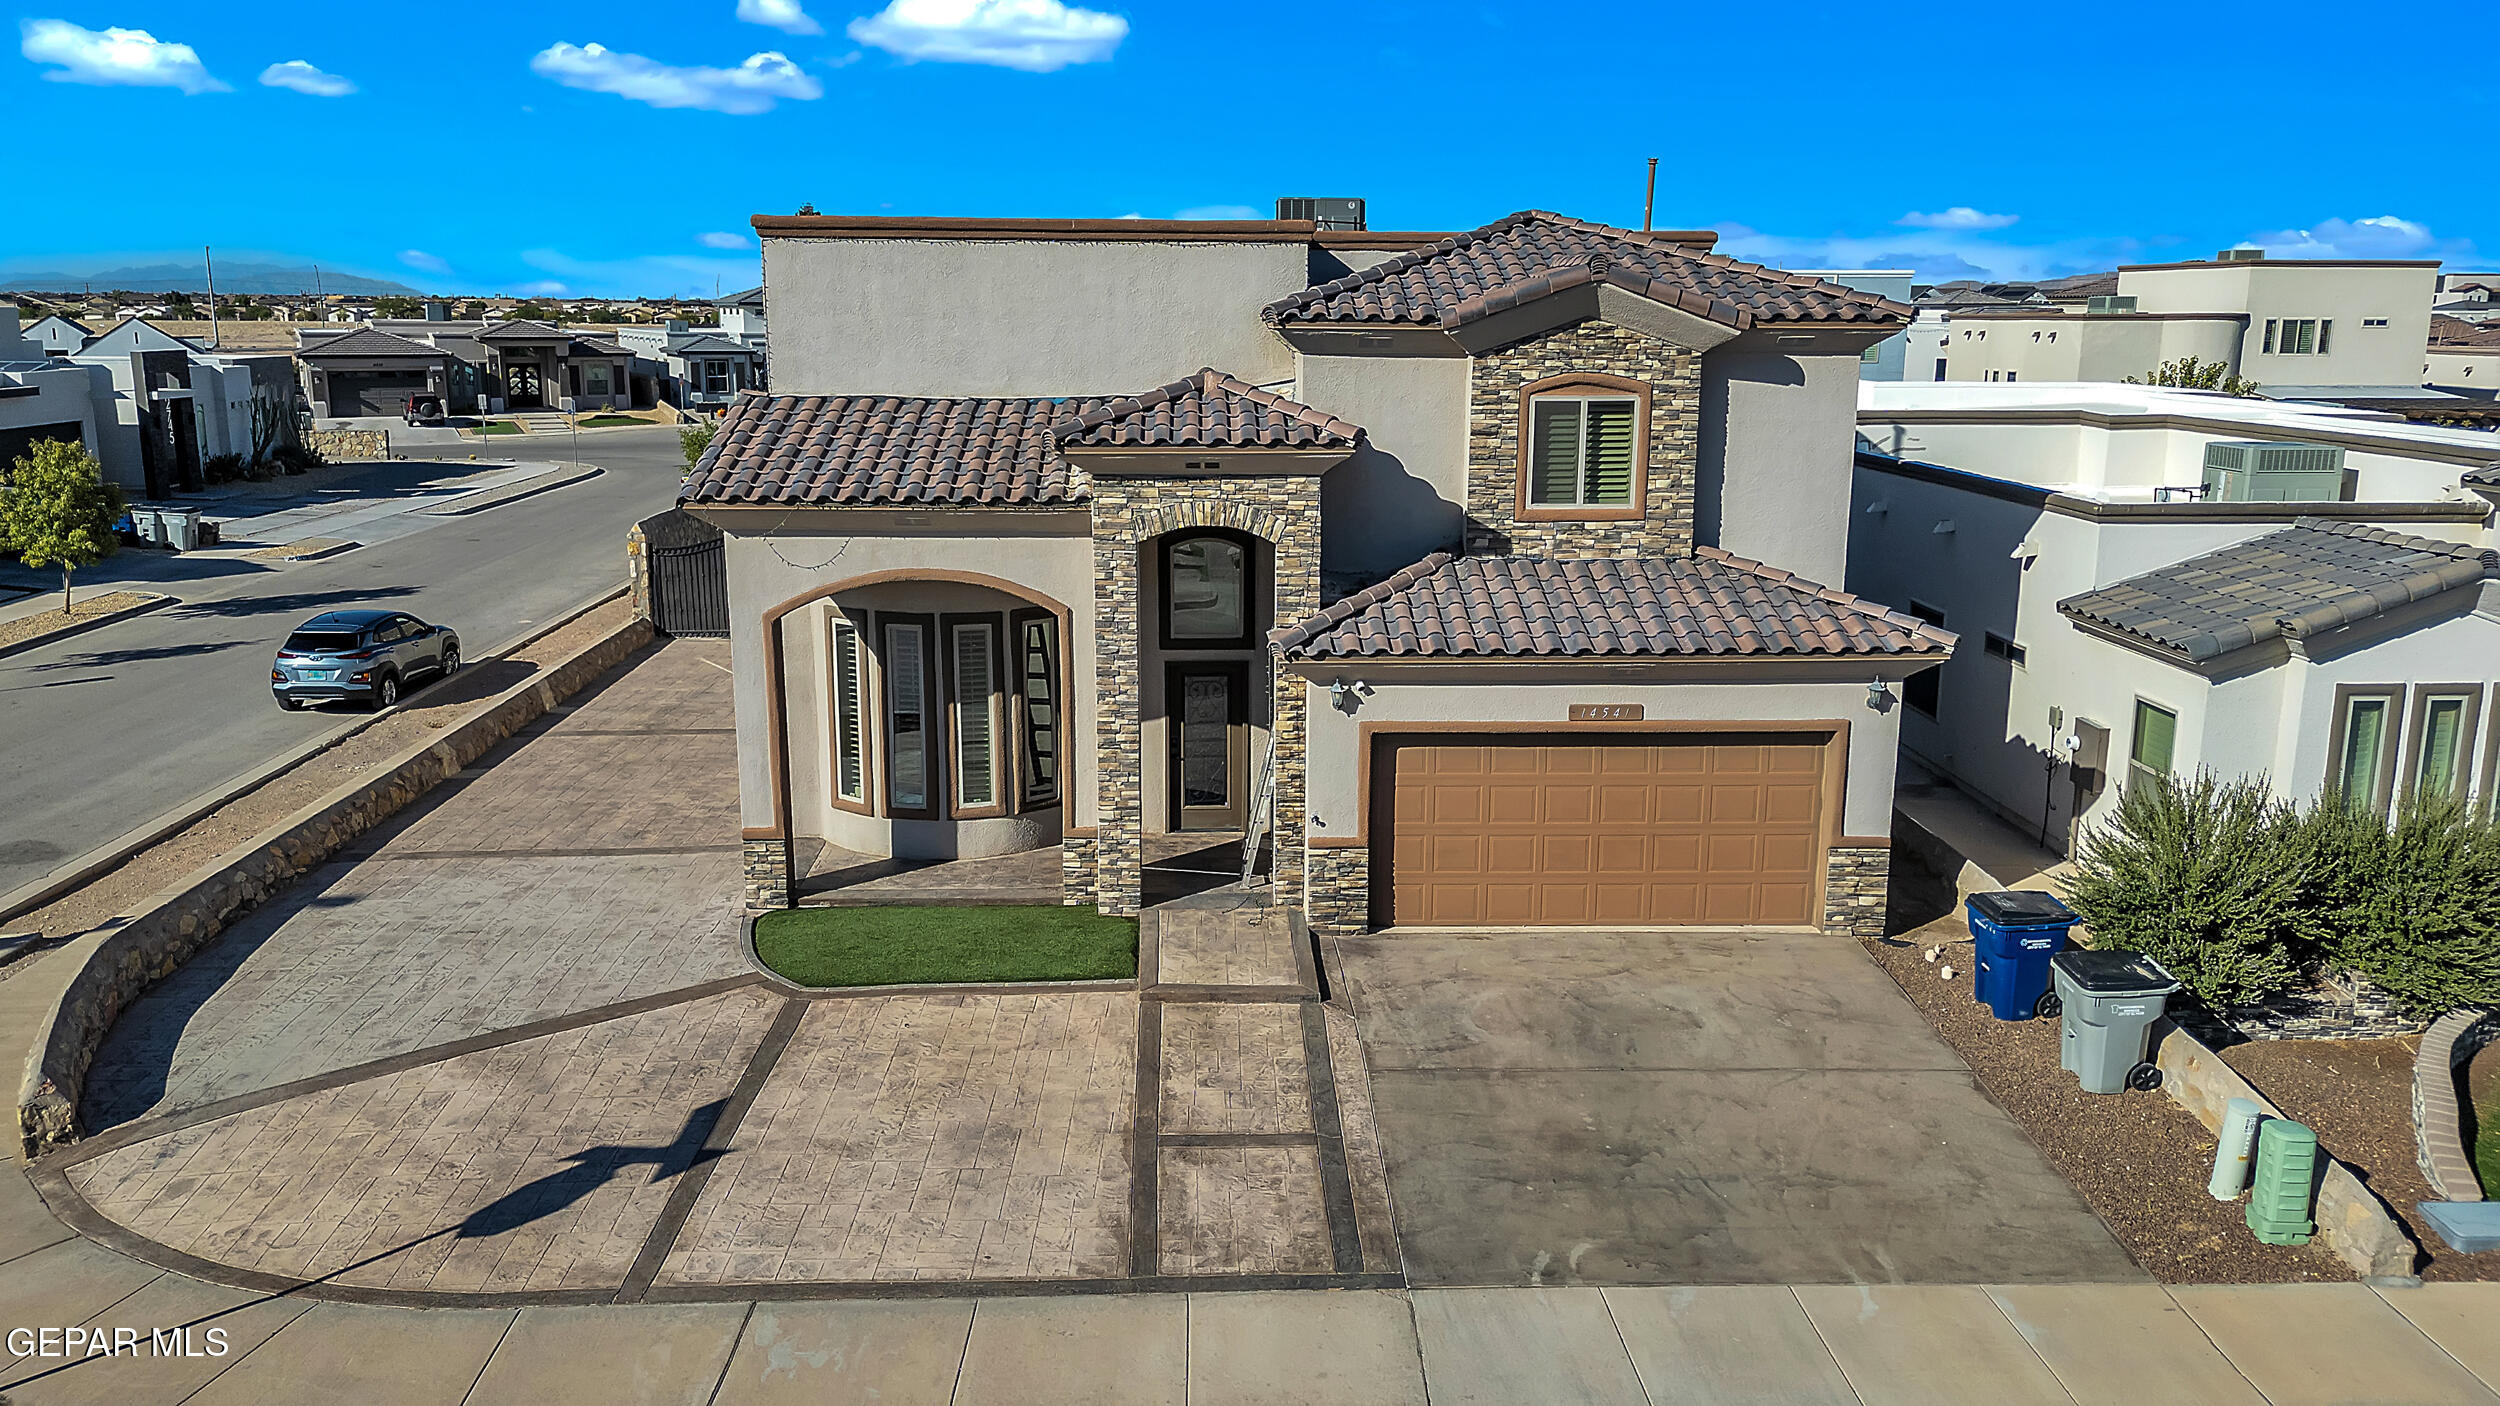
(887, 946)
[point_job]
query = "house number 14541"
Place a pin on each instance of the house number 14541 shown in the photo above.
(1606, 712)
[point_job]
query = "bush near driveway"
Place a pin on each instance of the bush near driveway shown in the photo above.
(890, 946)
(2244, 897)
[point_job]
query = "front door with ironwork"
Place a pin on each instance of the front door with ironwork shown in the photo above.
(522, 389)
(1209, 720)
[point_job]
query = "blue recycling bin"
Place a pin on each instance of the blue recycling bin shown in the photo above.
(2016, 934)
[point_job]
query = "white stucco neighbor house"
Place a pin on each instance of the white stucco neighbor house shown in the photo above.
(1491, 567)
(2123, 607)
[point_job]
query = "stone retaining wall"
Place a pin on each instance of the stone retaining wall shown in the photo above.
(2352, 1221)
(349, 444)
(2439, 1105)
(108, 969)
(2345, 1006)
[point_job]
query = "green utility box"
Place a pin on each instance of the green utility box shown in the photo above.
(2283, 1191)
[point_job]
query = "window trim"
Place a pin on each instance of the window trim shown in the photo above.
(1252, 596)
(2417, 720)
(2006, 648)
(1029, 796)
(2135, 735)
(871, 707)
(948, 625)
(1583, 385)
(2384, 782)
(934, 776)
(2487, 794)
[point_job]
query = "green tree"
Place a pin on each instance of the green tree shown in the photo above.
(2190, 374)
(529, 312)
(57, 510)
(398, 307)
(694, 439)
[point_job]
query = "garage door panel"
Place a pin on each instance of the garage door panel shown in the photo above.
(1697, 829)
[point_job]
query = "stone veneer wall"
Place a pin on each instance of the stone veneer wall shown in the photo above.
(1493, 429)
(1857, 886)
(767, 867)
(349, 444)
(1281, 510)
(1337, 890)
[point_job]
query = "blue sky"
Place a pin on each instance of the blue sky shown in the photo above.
(619, 149)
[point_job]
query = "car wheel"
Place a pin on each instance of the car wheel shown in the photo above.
(386, 692)
(292, 705)
(451, 660)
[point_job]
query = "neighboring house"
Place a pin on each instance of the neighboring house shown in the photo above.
(57, 335)
(369, 372)
(2123, 601)
(538, 366)
(742, 316)
(2302, 329)
(2463, 357)
(1887, 359)
(1492, 562)
(162, 405)
(696, 367)
(41, 397)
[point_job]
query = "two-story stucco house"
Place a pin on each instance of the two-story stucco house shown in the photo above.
(1492, 558)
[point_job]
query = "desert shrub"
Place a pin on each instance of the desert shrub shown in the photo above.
(222, 468)
(2207, 875)
(2413, 904)
(694, 439)
(297, 458)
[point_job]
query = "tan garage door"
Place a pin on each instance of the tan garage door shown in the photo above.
(1706, 829)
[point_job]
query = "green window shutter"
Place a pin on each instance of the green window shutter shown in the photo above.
(2443, 723)
(2365, 728)
(1554, 454)
(2156, 734)
(1613, 428)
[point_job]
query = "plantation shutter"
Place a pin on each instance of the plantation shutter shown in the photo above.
(1041, 712)
(1554, 454)
(2443, 723)
(2365, 732)
(850, 779)
(976, 778)
(907, 766)
(2156, 735)
(1610, 452)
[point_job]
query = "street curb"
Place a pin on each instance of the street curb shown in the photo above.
(527, 488)
(334, 549)
(100, 973)
(94, 623)
(111, 855)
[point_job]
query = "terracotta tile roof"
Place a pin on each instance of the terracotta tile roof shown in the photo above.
(366, 342)
(1709, 603)
(2449, 331)
(833, 450)
(1530, 254)
(521, 330)
(2311, 576)
(1209, 410)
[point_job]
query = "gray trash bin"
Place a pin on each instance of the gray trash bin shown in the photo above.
(181, 528)
(143, 522)
(2107, 1003)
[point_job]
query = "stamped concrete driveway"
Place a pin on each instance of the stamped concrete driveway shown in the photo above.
(1692, 1108)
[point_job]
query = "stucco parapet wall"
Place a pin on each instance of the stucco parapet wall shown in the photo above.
(2438, 1106)
(2352, 1221)
(2076, 417)
(1068, 230)
(349, 444)
(100, 974)
(2098, 510)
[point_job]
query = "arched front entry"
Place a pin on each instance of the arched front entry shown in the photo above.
(917, 715)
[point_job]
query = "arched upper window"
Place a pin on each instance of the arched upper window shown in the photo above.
(1584, 447)
(1208, 599)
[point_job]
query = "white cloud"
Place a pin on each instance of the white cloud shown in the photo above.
(130, 57)
(1959, 217)
(306, 79)
(784, 15)
(1037, 36)
(724, 239)
(750, 88)
(419, 259)
(544, 288)
(1935, 256)
(2376, 237)
(1219, 212)
(652, 275)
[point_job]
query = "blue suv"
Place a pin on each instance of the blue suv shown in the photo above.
(368, 655)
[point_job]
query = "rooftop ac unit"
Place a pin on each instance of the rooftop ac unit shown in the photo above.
(1329, 212)
(2240, 256)
(2109, 302)
(2268, 471)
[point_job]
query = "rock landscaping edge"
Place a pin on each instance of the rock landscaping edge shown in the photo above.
(2438, 1106)
(99, 974)
(2352, 1221)
(153, 601)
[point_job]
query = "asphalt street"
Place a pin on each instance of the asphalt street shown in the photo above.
(105, 731)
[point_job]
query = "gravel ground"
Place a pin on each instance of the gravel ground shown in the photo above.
(29, 628)
(2139, 1160)
(428, 710)
(2357, 1095)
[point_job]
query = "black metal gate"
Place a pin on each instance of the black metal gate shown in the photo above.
(689, 578)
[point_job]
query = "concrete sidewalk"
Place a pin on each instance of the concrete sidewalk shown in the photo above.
(2129, 1343)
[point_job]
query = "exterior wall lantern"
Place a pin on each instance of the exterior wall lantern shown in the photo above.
(1345, 697)
(1878, 697)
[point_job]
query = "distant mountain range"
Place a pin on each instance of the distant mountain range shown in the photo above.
(191, 278)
